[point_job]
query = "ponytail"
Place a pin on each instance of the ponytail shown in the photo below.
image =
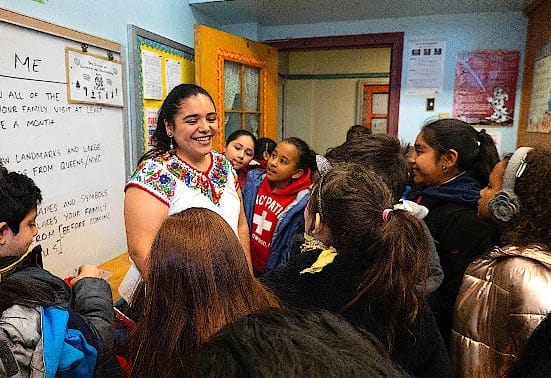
(389, 245)
(397, 264)
(487, 157)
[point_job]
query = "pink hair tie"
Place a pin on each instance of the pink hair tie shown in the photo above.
(386, 214)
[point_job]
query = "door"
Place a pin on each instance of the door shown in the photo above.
(241, 76)
(376, 108)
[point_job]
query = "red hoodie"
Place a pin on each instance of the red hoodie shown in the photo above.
(267, 211)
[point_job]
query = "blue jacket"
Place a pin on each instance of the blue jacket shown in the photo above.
(289, 223)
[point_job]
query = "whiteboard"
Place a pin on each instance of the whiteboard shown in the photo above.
(75, 153)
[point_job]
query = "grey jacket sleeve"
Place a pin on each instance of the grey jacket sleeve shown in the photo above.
(20, 334)
(93, 300)
(436, 275)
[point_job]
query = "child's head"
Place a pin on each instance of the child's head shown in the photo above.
(197, 265)
(495, 183)
(263, 148)
(239, 148)
(168, 123)
(447, 147)
(291, 159)
(19, 199)
(522, 206)
(294, 343)
(354, 208)
(380, 153)
(357, 131)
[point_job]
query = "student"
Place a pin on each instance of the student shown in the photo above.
(239, 150)
(180, 172)
(364, 263)
(452, 162)
(294, 343)
(262, 151)
(197, 282)
(505, 294)
(383, 154)
(46, 327)
(274, 202)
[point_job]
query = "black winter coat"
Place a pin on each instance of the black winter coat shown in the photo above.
(419, 349)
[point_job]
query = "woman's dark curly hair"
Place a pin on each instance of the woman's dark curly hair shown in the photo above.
(533, 222)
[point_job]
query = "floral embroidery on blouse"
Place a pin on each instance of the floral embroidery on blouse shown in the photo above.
(162, 173)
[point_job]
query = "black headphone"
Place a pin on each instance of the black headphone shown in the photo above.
(505, 204)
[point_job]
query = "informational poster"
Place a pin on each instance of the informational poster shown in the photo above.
(173, 73)
(151, 116)
(151, 76)
(485, 87)
(93, 79)
(539, 119)
(425, 70)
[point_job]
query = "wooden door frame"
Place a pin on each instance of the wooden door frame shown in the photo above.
(393, 40)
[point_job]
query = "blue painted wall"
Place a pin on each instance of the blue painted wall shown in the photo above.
(464, 32)
(174, 19)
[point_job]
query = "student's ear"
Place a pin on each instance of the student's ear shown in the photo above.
(298, 174)
(449, 158)
(317, 224)
(266, 155)
(321, 230)
(4, 228)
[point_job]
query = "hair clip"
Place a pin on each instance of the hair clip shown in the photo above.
(521, 167)
(323, 165)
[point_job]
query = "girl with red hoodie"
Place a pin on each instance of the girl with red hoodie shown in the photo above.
(274, 202)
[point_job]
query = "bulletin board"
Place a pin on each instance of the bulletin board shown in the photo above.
(159, 64)
(75, 151)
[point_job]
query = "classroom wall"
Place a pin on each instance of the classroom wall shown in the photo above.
(172, 19)
(462, 32)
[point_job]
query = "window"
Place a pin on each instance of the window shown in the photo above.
(241, 98)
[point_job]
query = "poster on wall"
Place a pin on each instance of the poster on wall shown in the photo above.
(93, 79)
(425, 67)
(151, 117)
(151, 76)
(539, 119)
(485, 87)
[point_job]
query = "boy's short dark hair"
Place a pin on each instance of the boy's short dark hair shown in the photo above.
(18, 196)
(379, 153)
(357, 130)
(294, 343)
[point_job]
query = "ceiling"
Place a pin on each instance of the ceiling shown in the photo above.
(293, 12)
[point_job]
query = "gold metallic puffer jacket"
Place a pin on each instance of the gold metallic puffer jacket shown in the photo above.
(503, 297)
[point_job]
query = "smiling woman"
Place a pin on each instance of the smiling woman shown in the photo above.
(180, 172)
